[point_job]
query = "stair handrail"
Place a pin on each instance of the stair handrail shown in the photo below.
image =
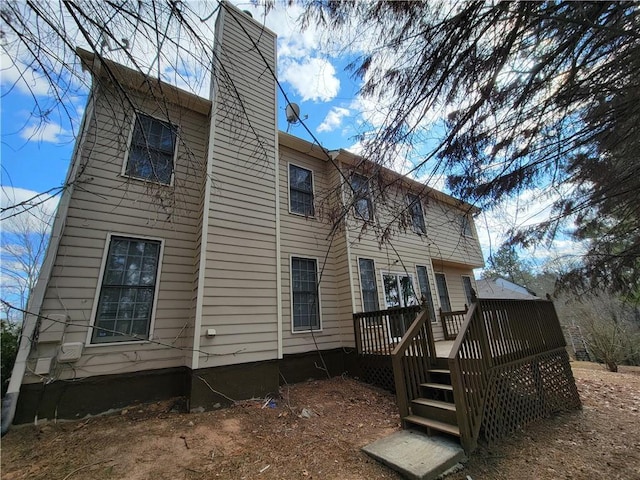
(497, 337)
(470, 349)
(411, 358)
(451, 323)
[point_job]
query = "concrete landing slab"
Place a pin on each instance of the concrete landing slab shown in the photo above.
(415, 455)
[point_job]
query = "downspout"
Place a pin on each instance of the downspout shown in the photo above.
(10, 401)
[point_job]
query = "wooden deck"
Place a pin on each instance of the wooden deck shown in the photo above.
(507, 366)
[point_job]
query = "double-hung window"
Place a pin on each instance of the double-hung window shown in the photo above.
(304, 290)
(300, 190)
(425, 290)
(368, 284)
(443, 292)
(152, 150)
(417, 215)
(468, 289)
(361, 197)
(128, 290)
(465, 226)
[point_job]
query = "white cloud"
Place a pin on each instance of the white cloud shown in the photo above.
(46, 132)
(26, 209)
(333, 120)
(16, 74)
(313, 79)
(283, 20)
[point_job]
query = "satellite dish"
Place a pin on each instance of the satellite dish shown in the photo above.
(293, 113)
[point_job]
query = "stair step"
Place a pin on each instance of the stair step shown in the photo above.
(438, 410)
(434, 424)
(440, 370)
(439, 386)
(437, 391)
(435, 403)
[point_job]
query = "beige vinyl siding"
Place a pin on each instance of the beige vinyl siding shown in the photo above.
(240, 288)
(341, 253)
(308, 238)
(453, 275)
(442, 244)
(106, 202)
(443, 239)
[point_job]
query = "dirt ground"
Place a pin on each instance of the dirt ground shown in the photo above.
(315, 430)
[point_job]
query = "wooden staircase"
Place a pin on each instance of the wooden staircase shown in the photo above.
(435, 409)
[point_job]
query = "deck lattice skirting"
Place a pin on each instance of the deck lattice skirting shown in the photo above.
(508, 367)
(522, 392)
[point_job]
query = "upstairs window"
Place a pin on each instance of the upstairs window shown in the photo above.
(417, 215)
(152, 150)
(300, 191)
(465, 226)
(128, 290)
(362, 198)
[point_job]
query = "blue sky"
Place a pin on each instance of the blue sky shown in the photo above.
(311, 69)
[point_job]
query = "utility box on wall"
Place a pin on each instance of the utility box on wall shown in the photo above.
(70, 352)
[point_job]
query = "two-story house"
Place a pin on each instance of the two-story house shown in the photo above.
(198, 251)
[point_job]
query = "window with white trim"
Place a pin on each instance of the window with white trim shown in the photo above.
(127, 291)
(398, 290)
(417, 215)
(368, 285)
(468, 288)
(300, 190)
(425, 290)
(152, 150)
(362, 197)
(305, 304)
(465, 226)
(443, 292)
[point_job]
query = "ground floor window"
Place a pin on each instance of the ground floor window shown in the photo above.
(127, 291)
(368, 284)
(443, 292)
(304, 290)
(468, 289)
(425, 290)
(398, 290)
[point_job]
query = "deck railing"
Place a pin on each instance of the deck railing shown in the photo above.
(452, 321)
(509, 366)
(411, 359)
(378, 332)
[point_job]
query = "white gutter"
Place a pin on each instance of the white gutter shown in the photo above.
(36, 297)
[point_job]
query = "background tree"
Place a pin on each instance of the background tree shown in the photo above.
(9, 335)
(610, 327)
(533, 95)
(24, 243)
(506, 263)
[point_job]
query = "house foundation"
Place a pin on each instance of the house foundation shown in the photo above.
(205, 388)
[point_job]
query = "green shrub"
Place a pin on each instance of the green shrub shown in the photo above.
(10, 335)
